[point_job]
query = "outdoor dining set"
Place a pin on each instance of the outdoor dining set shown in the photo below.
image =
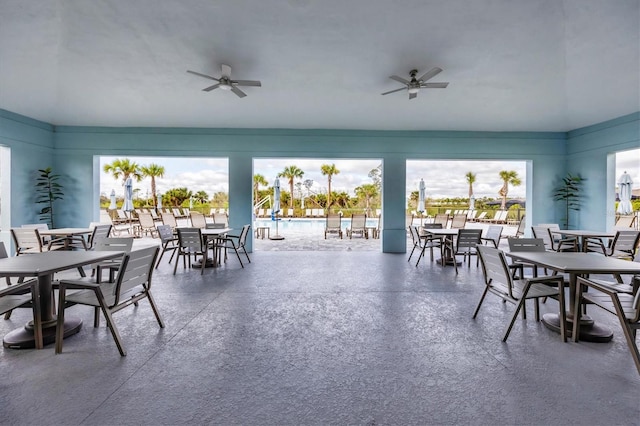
(591, 264)
(41, 253)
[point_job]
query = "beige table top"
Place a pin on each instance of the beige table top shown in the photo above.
(578, 262)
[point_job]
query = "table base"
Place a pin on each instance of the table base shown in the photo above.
(448, 262)
(22, 338)
(589, 330)
(276, 237)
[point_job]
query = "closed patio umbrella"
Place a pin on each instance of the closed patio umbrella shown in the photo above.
(276, 208)
(112, 205)
(159, 206)
(421, 196)
(624, 185)
(128, 196)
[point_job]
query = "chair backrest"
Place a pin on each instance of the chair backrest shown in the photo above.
(198, 220)
(243, 235)
(544, 233)
(469, 238)
(408, 221)
(442, 218)
(25, 239)
(114, 244)
(626, 241)
(169, 219)
(220, 218)
(136, 270)
(99, 232)
(176, 212)
(358, 220)
(494, 232)
(526, 244)
(415, 236)
(190, 238)
(165, 232)
(334, 220)
(458, 221)
(625, 221)
(146, 220)
(521, 225)
(215, 225)
(496, 269)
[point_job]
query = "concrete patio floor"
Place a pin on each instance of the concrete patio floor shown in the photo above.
(355, 337)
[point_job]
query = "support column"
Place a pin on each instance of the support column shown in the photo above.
(241, 193)
(394, 182)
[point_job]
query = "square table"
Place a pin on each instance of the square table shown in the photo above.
(43, 266)
(576, 264)
(211, 233)
(66, 233)
(582, 235)
(448, 234)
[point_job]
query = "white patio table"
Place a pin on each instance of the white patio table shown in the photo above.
(576, 264)
(43, 266)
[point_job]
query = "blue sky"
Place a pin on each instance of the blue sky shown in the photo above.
(442, 178)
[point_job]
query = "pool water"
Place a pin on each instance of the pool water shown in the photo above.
(305, 226)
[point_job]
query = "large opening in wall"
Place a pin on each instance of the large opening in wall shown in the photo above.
(627, 203)
(5, 196)
(480, 190)
(310, 189)
(181, 185)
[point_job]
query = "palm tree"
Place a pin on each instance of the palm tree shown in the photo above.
(329, 170)
(471, 178)
(124, 168)
(153, 171)
(258, 180)
(291, 172)
(367, 191)
(508, 177)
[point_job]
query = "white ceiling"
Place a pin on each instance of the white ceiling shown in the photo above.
(512, 64)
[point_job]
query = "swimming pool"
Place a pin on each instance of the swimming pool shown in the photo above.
(305, 226)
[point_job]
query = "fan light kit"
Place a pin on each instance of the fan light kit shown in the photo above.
(225, 82)
(414, 85)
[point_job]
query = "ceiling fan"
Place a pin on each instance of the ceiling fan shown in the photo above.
(225, 82)
(414, 85)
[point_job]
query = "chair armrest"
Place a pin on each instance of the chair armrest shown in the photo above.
(78, 284)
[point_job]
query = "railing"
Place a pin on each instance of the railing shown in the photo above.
(262, 202)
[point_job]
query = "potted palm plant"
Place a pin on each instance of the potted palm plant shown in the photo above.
(569, 192)
(48, 190)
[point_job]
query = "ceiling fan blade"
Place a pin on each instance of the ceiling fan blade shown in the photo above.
(203, 75)
(393, 91)
(238, 92)
(210, 88)
(247, 83)
(430, 74)
(399, 79)
(434, 85)
(226, 70)
(413, 95)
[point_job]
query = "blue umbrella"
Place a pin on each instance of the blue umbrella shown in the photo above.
(113, 205)
(128, 196)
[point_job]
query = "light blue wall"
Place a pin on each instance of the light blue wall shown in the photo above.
(590, 152)
(31, 146)
(76, 147)
(549, 156)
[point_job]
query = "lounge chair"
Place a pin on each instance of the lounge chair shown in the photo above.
(626, 221)
(333, 225)
(146, 224)
(480, 217)
(198, 220)
(289, 212)
(358, 225)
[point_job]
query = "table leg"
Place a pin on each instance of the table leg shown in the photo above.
(590, 331)
(22, 338)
